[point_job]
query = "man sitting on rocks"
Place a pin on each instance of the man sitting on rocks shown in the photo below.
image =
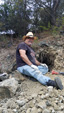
(28, 64)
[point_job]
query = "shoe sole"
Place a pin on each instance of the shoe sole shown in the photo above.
(58, 83)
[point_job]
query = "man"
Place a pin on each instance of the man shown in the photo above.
(28, 64)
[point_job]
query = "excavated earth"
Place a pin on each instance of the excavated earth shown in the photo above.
(22, 94)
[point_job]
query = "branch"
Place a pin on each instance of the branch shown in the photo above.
(47, 10)
(56, 4)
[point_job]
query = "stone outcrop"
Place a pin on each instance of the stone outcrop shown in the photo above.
(43, 99)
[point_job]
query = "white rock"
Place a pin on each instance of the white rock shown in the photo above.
(41, 105)
(1, 109)
(50, 88)
(45, 96)
(34, 95)
(39, 110)
(34, 110)
(15, 111)
(21, 102)
(28, 110)
(11, 84)
(46, 111)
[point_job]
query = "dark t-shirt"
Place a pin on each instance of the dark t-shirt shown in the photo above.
(29, 52)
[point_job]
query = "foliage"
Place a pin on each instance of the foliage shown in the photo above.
(63, 21)
(15, 16)
(59, 26)
(3, 39)
(18, 15)
(55, 30)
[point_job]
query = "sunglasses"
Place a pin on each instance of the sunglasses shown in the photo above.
(30, 38)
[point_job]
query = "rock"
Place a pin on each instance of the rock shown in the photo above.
(34, 95)
(4, 92)
(43, 43)
(46, 111)
(56, 107)
(61, 106)
(34, 110)
(17, 75)
(31, 104)
(15, 110)
(50, 88)
(41, 105)
(39, 110)
(48, 103)
(40, 93)
(4, 76)
(23, 112)
(11, 104)
(45, 96)
(11, 84)
(1, 110)
(5, 111)
(56, 93)
(14, 66)
(21, 103)
(9, 111)
(28, 110)
(52, 110)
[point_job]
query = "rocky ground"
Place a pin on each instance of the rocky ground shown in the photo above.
(22, 94)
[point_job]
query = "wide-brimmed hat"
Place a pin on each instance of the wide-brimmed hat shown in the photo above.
(30, 35)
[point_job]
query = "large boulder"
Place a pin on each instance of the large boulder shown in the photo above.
(10, 85)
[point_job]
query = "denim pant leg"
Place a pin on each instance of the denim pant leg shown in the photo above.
(43, 69)
(27, 70)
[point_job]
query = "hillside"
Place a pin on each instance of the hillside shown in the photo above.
(22, 94)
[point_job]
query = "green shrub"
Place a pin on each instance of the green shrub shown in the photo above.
(44, 28)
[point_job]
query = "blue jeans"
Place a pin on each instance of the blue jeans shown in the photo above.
(27, 70)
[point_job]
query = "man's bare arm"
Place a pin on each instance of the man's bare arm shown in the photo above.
(24, 57)
(37, 62)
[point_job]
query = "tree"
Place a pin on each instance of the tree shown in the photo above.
(16, 15)
(20, 14)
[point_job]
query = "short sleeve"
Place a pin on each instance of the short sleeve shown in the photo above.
(22, 46)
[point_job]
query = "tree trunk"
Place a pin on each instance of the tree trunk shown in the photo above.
(54, 9)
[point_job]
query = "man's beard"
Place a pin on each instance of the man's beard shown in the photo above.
(30, 43)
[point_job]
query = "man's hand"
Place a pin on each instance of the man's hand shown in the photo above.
(34, 67)
(44, 65)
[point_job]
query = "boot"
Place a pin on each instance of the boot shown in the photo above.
(56, 83)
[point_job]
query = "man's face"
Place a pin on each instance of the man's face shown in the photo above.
(29, 40)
